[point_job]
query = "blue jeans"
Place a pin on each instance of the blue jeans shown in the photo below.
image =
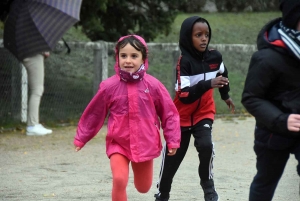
(273, 152)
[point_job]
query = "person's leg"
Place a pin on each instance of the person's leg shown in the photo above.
(202, 133)
(204, 146)
(296, 151)
(35, 71)
(143, 174)
(270, 165)
(120, 172)
(170, 165)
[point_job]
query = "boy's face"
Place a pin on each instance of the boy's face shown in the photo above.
(200, 36)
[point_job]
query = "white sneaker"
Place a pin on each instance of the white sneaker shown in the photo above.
(38, 129)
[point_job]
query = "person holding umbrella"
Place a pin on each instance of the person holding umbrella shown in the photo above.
(32, 29)
(4, 9)
(34, 66)
(35, 70)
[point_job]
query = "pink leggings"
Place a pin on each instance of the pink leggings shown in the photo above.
(143, 173)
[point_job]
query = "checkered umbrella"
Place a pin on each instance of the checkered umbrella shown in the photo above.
(35, 26)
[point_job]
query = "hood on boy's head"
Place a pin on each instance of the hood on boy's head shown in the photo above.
(117, 52)
(290, 12)
(185, 37)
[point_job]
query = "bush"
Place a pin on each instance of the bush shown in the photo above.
(193, 6)
(241, 5)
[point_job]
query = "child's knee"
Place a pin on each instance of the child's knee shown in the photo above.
(143, 185)
(120, 183)
(37, 90)
(142, 188)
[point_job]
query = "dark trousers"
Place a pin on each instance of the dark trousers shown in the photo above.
(204, 146)
(273, 152)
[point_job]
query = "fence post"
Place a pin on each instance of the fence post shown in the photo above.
(16, 95)
(24, 94)
(100, 64)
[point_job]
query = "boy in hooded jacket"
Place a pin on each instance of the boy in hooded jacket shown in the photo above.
(136, 104)
(272, 95)
(199, 70)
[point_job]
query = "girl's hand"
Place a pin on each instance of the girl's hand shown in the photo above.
(77, 149)
(172, 152)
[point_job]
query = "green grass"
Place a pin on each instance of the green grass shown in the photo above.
(227, 28)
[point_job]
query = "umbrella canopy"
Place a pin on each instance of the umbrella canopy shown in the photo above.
(35, 26)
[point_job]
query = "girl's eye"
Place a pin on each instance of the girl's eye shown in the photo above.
(123, 56)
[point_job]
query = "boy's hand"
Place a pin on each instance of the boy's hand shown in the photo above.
(172, 152)
(230, 103)
(293, 122)
(77, 149)
(219, 82)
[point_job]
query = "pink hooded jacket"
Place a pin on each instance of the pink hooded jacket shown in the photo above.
(136, 112)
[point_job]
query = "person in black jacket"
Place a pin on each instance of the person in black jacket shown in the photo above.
(272, 95)
(199, 70)
(4, 9)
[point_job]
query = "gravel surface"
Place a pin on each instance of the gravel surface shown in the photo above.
(48, 168)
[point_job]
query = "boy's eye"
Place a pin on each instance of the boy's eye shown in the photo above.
(199, 35)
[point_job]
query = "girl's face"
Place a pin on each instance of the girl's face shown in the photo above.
(130, 59)
(200, 36)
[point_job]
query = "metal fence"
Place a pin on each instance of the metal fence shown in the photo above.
(72, 79)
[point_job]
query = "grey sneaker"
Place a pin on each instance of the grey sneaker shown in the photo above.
(210, 193)
(158, 198)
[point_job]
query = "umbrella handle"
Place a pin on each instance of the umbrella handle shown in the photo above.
(66, 44)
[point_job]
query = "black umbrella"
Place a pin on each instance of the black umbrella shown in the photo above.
(35, 26)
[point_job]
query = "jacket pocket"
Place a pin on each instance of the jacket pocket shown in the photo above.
(277, 142)
(272, 141)
(290, 101)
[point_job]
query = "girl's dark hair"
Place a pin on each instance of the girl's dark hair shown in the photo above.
(134, 42)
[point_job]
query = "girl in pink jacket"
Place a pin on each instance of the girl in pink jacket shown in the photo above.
(136, 104)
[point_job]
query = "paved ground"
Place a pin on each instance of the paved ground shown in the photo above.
(47, 168)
